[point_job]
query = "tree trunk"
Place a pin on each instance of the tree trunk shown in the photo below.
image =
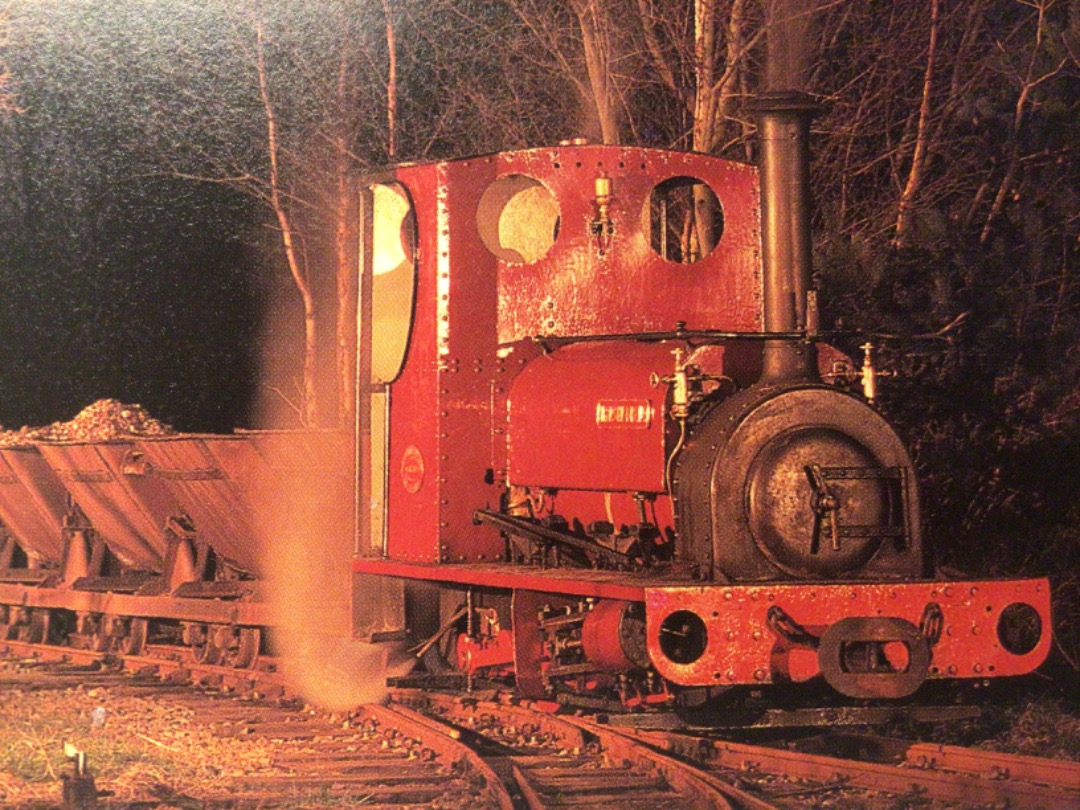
(922, 130)
(309, 410)
(391, 81)
(1028, 84)
(598, 66)
(345, 258)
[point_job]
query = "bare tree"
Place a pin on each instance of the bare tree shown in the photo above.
(922, 131)
(299, 269)
(391, 80)
(597, 38)
(9, 103)
(281, 110)
(1032, 71)
(582, 45)
(703, 60)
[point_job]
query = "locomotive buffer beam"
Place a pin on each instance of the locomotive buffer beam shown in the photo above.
(548, 536)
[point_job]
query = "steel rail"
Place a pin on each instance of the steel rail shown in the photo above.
(375, 755)
(995, 765)
(964, 788)
(443, 741)
(620, 754)
(935, 756)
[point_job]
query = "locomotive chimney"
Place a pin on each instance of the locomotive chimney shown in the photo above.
(784, 131)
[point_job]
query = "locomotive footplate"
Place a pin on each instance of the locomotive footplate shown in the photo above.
(589, 582)
(867, 641)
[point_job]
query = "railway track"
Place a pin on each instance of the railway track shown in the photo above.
(273, 752)
(926, 773)
(427, 749)
(873, 772)
(550, 761)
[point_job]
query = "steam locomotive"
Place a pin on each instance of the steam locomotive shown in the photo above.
(599, 451)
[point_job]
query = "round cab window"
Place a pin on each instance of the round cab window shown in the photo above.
(518, 219)
(683, 220)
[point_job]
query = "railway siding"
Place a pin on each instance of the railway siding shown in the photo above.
(964, 777)
(169, 740)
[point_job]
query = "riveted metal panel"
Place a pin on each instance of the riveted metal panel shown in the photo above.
(587, 417)
(92, 474)
(575, 289)
(33, 502)
(741, 648)
(413, 463)
(440, 455)
(471, 372)
(473, 305)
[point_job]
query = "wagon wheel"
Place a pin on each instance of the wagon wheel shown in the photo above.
(94, 626)
(39, 626)
(33, 626)
(236, 647)
(90, 629)
(223, 645)
(134, 641)
(198, 639)
(108, 632)
(242, 650)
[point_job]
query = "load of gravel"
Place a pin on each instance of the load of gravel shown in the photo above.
(105, 420)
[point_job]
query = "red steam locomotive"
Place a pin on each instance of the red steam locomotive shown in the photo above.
(599, 450)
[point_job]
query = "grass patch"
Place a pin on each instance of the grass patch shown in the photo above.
(136, 746)
(1031, 718)
(1044, 727)
(35, 726)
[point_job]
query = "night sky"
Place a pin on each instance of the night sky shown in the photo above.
(161, 307)
(121, 279)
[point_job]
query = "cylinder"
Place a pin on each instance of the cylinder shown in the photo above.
(613, 636)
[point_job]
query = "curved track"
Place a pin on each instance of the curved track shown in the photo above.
(872, 772)
(954, 777)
